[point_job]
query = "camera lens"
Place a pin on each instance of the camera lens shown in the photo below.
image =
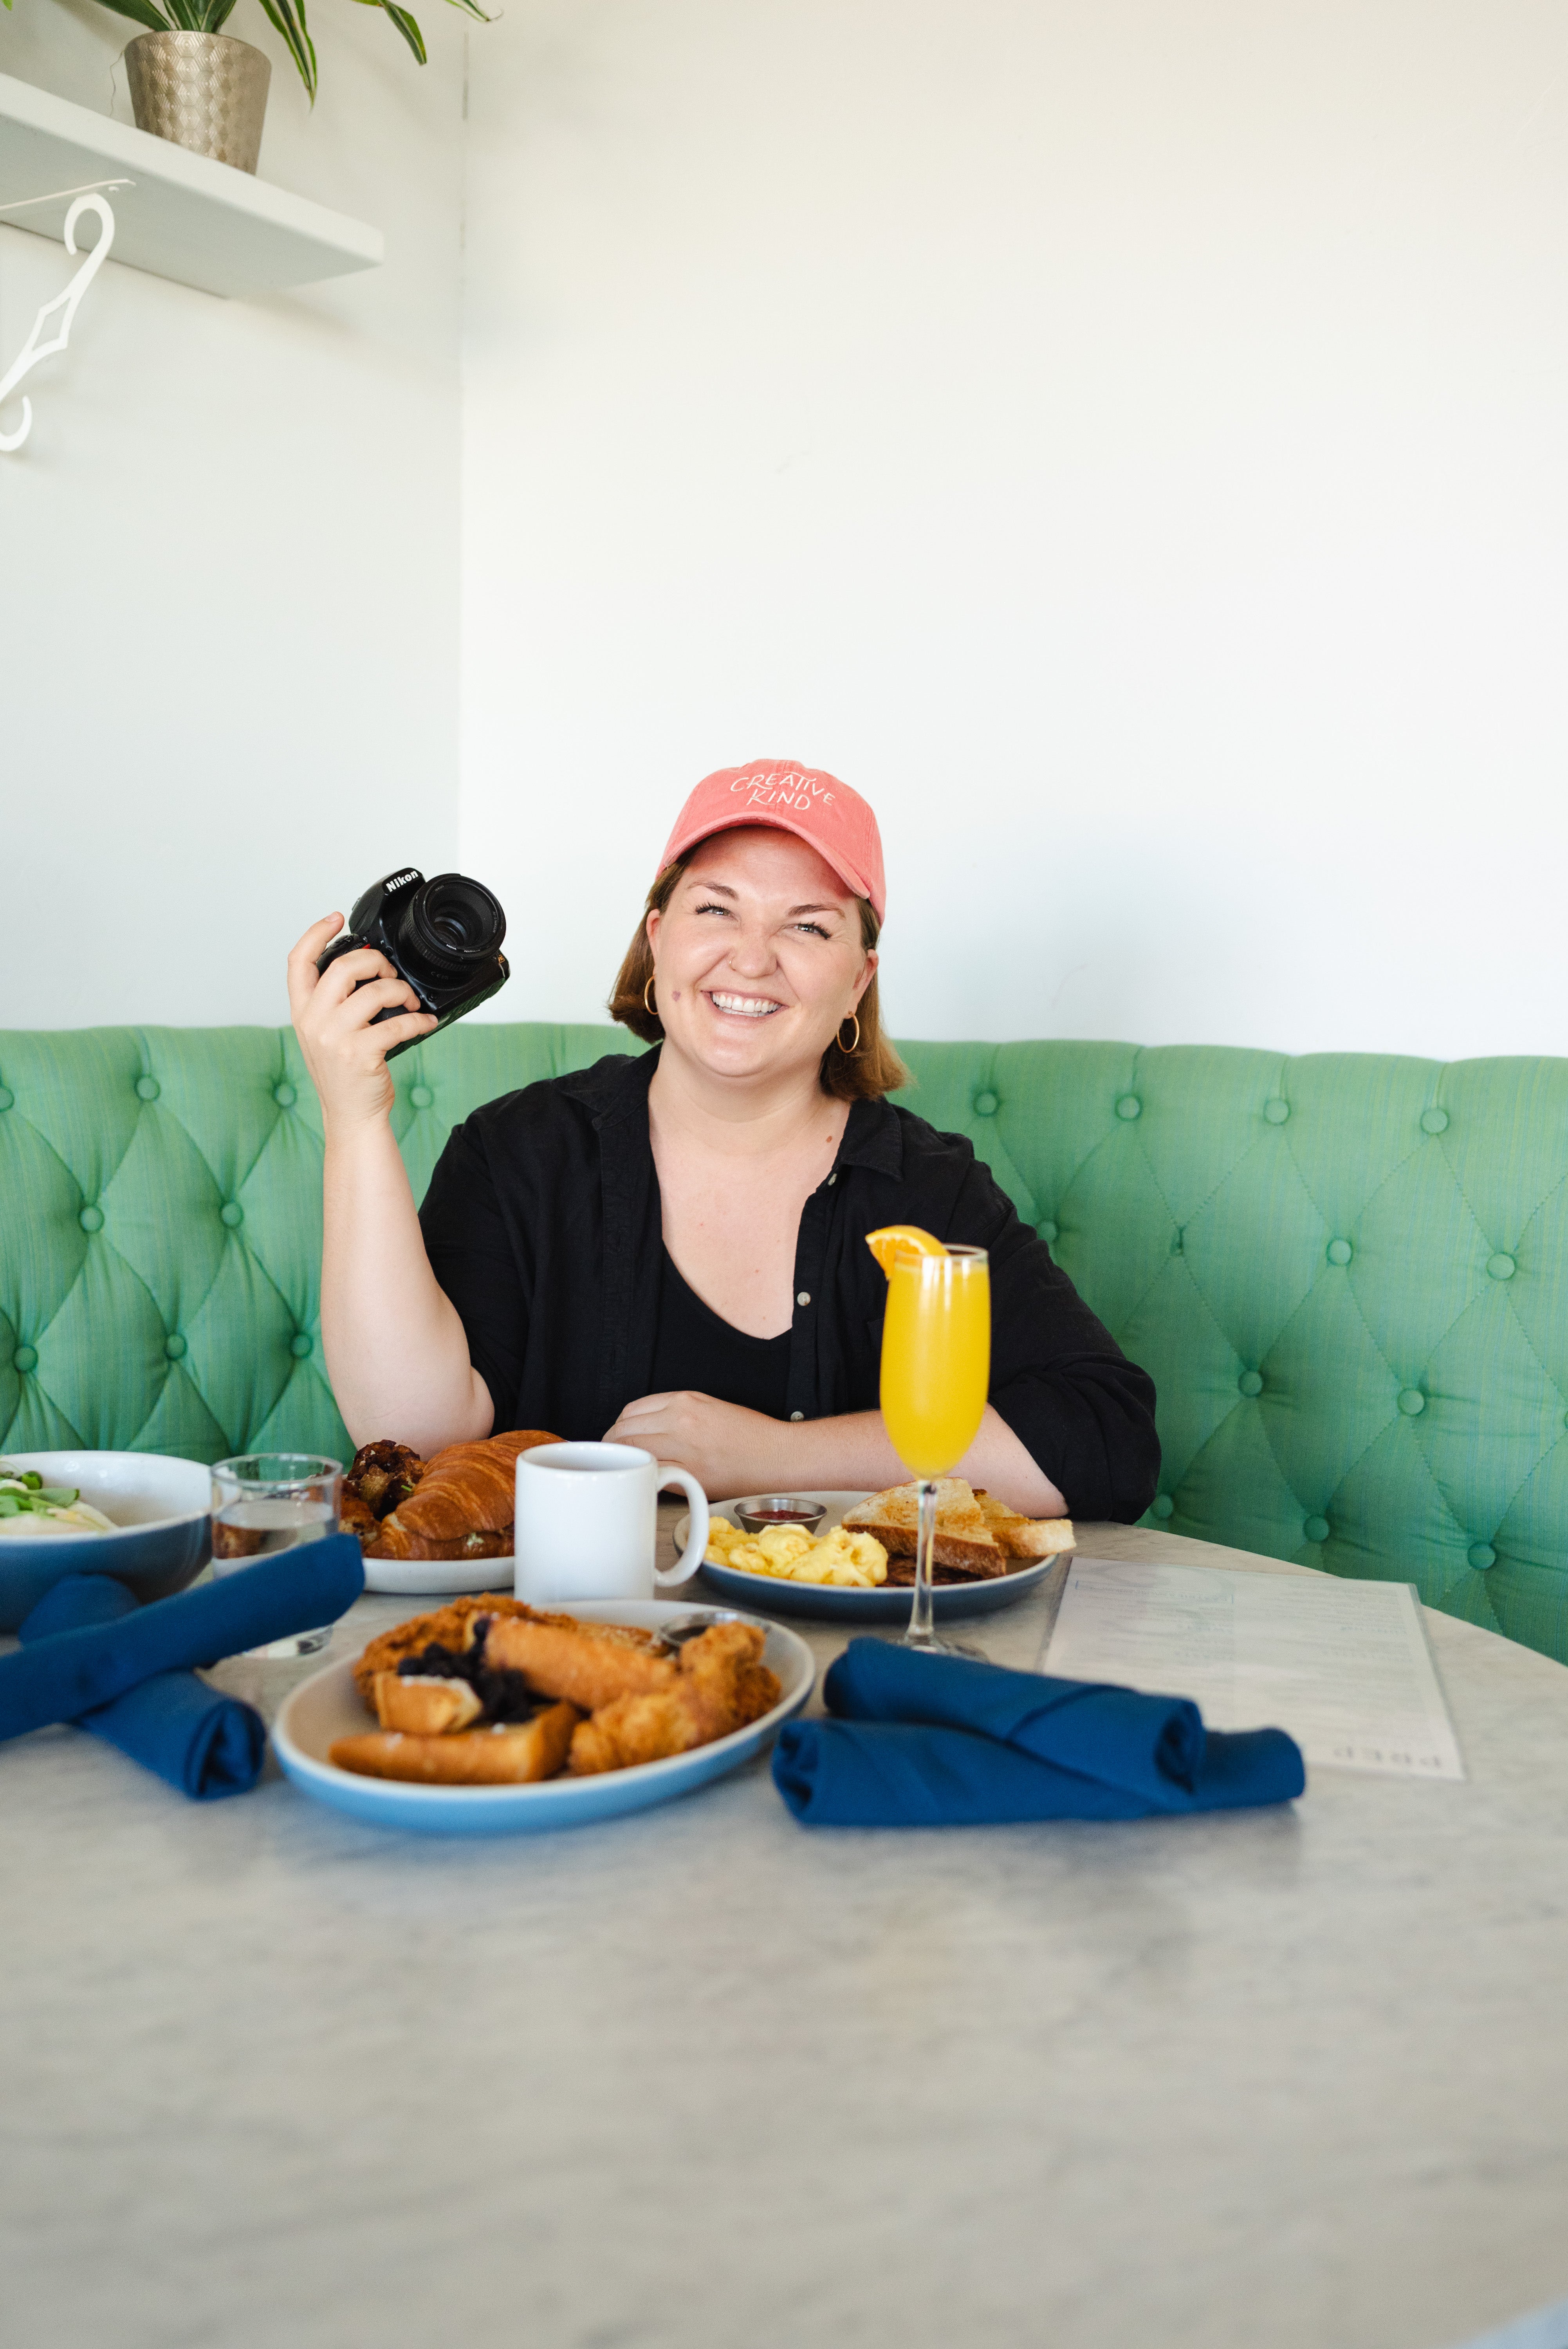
(450, 926)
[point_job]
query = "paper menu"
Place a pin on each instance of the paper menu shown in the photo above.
(1344, 1666)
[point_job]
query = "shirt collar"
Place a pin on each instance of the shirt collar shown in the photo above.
(874, 1138)
(617, 1086)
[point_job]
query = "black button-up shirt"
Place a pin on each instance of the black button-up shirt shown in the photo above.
(543, 1224)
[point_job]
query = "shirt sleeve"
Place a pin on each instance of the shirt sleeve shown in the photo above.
(1081, 1410)
(470, 1252)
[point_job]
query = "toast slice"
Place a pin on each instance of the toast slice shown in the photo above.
(1025, 1537)
(965, 1541)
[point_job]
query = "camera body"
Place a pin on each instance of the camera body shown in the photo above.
(443, 936)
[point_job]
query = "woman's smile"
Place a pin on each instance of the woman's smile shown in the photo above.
(741, 1007)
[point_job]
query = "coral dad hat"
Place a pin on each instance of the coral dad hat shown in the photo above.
(808, 801)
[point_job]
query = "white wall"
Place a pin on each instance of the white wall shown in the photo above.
(1126, 439)
(228, 559)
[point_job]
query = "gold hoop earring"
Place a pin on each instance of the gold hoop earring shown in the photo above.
(849, 1051)
(647, 991)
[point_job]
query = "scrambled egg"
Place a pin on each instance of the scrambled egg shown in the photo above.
(790, 1553)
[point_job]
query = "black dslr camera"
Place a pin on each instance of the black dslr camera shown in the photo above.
(443, 936)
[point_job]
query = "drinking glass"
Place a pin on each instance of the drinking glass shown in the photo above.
(266, 1501)
(935, 1374)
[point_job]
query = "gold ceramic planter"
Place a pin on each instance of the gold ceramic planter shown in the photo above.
(202, 90)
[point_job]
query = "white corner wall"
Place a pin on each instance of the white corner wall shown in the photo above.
(1127, 441)
(229, 558)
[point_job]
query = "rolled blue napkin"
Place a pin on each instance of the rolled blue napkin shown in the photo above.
(205, 1743)
(938, 1741)
(61, 1678)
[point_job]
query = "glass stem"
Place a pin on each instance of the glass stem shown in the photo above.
(921, 1632)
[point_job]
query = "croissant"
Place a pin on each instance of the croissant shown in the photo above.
(463, 1504)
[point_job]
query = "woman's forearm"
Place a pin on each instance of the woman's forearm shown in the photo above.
(853, 1452)
(396, 1352)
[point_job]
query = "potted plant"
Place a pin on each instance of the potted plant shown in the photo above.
(191, 82)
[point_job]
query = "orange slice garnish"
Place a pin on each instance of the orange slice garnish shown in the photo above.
(886, 1243)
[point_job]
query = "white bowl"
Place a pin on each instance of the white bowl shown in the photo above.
(327, 1705)
(162, 1534)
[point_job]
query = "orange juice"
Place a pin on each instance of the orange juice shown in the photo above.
(936, 1358)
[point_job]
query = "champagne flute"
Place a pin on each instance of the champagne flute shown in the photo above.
(935, 1374)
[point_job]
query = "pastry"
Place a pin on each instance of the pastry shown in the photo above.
(462, 1505)
(507, 1754)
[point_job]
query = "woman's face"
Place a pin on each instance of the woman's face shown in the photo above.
(758, 956)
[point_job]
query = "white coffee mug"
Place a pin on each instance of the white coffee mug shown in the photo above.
(588, 1522)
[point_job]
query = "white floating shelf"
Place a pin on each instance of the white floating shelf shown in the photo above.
(176, 214)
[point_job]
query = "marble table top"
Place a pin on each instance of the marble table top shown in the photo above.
(275, 2080)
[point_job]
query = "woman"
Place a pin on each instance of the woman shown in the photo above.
(669, 1250)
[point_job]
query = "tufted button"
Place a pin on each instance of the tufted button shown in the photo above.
(91, 1219)
(1250, 1382)
(1048, 1232)
(1179, 1243)
(299, 1345)
(8, 1098)
(1501, 1267)
(797, 1415)
(986, 1104)
(1434, 1121)
(1162, 1506)
(1276, 1112)
(803, 1297)
(1340, 1251)
(174, 1346)
(1412, 1401)
(284, 1095)
(231, 1214)
(24, 1359)
(1481, 1555)
(148, 1089)
(1316, 1529)
(1130, 1106)
(420, 1097)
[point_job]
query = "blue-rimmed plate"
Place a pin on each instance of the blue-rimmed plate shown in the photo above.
(828, 1602)
(328, 1705)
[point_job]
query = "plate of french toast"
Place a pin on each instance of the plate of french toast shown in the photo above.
(440, 1524)
(853, 1560)
(487, 1715)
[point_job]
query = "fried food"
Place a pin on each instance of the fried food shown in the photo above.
(382, 1474)
(849, 1559)
(509, 1755)
(492, 1660)
(718, 1685)
(424, 1705)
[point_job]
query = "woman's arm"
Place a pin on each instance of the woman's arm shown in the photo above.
(396, 1355)
(730, 1450)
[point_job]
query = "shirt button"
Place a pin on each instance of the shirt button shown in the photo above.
(803, 1297)
(797, 1415)
(831, 1181)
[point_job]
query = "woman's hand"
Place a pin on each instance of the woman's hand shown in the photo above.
(728, 1449)
(332, 1012)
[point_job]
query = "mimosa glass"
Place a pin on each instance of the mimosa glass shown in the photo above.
(935, 1374)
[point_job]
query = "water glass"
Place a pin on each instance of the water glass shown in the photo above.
(263, 1502)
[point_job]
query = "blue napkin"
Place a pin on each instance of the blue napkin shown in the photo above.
(60, 1678)
(205, 1743)
(938, 1741)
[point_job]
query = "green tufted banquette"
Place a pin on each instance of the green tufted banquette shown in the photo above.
(1346, 1273)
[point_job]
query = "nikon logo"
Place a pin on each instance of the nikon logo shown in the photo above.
(401, 880)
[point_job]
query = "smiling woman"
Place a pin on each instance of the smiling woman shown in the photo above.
(671, 1249)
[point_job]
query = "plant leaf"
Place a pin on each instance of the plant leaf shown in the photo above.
(142, 12)
(287, 17)
(215, 14)
(404, 22)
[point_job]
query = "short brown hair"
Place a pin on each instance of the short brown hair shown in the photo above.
(872, 1070)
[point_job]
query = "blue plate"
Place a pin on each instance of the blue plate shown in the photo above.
(162, 1536)
(828, 1602)
(328, 1705)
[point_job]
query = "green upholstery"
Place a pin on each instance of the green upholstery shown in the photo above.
(1346, 1273)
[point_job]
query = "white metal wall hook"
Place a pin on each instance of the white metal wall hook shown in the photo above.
(66, 303)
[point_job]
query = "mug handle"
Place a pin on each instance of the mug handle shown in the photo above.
(690, 1557)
